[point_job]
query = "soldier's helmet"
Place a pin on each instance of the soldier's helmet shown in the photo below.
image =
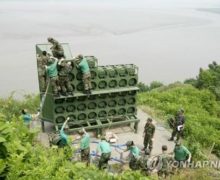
(129, 143)
(149, 120)
(164, 148)
(50, 39)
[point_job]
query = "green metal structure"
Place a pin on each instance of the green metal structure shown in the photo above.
(112, 102)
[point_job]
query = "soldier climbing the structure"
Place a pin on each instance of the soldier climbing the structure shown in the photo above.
(82, 64)
(178, 125)
(52, 73)
(64, 82)
(42, 62)
(134, 155)
(57, 49)
(148, 135)
(105, 149)
(85, 146)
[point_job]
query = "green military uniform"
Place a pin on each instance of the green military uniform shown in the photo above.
(149, 130)
(164, 170)
(179, 121)
(84, 67)
(105, 149)
(134, 157)
(42, 62)
(64, 81)
(53, 75)
(85, 148)
(57, 49)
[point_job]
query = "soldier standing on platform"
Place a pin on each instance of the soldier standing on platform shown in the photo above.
(57, 49)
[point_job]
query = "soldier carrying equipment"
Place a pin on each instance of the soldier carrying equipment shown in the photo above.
(178, 125)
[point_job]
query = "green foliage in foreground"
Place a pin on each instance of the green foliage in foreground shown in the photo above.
(22, 157)
(201, 110)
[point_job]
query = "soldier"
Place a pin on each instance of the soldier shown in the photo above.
(148, 134)
(85, 146)
(42, 62)
(134, 155)
(105, 149)
(164, 160)
(53, 74)
(144, 162)
(84, 67)
(181, 154)
(178, 125)
(26, 117)
(57, 49)
(64, 82)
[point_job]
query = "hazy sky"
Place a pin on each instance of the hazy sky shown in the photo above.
(169, 40)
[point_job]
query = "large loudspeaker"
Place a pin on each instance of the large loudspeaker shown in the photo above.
(102, 104)
(59, 109)
(122, 111)
(81, 107)
(72, 117)
(101, 73)
(112, 83)
(102, 114)
(121, 70)
(92, 105)
(112, 112)
(92, 115)
(132, 82)
(70, 108)
(131, 110)
(112, 73)
(122, 83)
(102, 84)
(60, 119)
(81, 116)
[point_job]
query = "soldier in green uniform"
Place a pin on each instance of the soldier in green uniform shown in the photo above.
(85, 146)
(178, 125)
(181, 154)
(52, 73)
(64, 82)
(42, 62)
(148, 135)
(84, 67)
(134, 155)
(105, 149)
(164, 160)
(57, 49)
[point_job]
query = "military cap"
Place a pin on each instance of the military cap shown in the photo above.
(129, 143)
(164, 147)
(49, 39)
(149, 119)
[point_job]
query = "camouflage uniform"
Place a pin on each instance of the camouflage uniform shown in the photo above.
(87, 81)
(42, 62)
(164, 170)
(179, 120)
(57, 49)
(64, 81)
(149, 130)
(103, 161)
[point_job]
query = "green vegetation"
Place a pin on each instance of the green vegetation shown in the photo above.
(22, 157)
(201, 109)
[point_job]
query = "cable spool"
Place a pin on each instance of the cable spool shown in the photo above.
(121, 102)
(60, 119)
(81, 107)
(92, 115)
(79, 76)
(81, 116)
(102, 114)
(101, 73)
(112, 112)
(112, 83)
(131, 110)
(112, 103)
(102, 84)
(80, 86)
(122, 83)
(92, 105)
(59, 109)
(132, 82)
(102, 104)
(131, 100)
(70, 108)
(122, 111)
